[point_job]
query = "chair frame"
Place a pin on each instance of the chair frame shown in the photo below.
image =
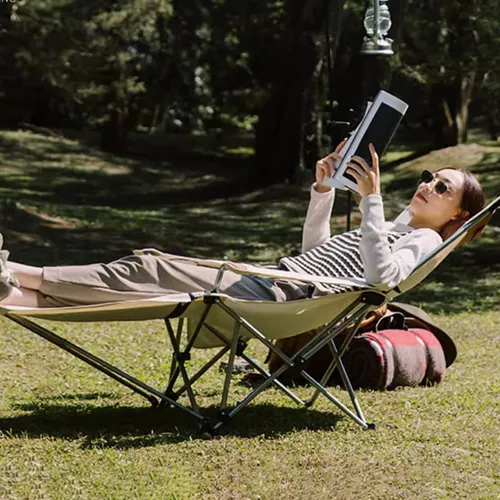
(180, 382)
(350, 318)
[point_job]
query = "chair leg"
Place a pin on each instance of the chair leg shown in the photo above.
(108, 369)
(277, 383)
(181, 359)
(337, 354)
(230, 364)
(337, 361)
(356, 310)
(347, 383)
(174, 373)
(173, 365)
(177, 393)
(260, 369)
(334, 400)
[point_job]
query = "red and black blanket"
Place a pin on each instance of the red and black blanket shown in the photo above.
(392, 358)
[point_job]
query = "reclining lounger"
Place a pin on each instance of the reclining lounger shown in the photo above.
(216, 320)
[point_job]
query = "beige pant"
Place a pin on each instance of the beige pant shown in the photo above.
(144, 276)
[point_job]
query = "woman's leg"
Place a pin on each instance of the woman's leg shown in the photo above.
(28, 276)
(24, 297)
(138, 277)
(143, 276)
(129, 278)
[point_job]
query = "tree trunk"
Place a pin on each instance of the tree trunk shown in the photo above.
(313, 122)
(450, 103)
(467, 86)
(113, 137)
(320, 100)
(116, 131)
(491, 118)
(445, 132)
(154, 119)
(280, 132)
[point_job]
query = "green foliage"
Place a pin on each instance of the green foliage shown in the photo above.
(444, 40)
(198, 65)
(181, 64)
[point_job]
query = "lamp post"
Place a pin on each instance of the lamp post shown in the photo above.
(377, 23)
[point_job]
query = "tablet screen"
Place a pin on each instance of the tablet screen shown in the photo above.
(380, 131)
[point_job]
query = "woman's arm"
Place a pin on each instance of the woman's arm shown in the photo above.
(317, 224)
(383, 266)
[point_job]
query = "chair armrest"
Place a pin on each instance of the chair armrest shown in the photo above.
(248, 269)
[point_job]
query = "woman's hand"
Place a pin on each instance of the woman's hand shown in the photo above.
(326, 168)
(368, 179)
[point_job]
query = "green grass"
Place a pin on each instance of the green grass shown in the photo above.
(66, 431)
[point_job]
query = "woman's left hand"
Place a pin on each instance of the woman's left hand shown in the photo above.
(368, 179)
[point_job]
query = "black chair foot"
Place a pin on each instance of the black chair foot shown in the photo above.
(371, 426)
(154, 402)
(206, 429)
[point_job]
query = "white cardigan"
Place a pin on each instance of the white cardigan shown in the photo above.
(381, 265)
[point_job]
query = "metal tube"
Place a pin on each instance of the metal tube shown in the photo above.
(266, 374)
(311, 351)
(230, 364)
(248, 326)
(338, 354)
(347, 384)
(334, 400)
(182, 368)
(218, 278)
(175, 373)
(201, 372)
(98, 363)
(173, 364)
(261, 370)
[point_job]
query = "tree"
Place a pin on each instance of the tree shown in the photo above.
(200, 65)
(450, 47)
(289, 67)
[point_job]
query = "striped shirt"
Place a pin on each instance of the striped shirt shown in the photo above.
(338, 257)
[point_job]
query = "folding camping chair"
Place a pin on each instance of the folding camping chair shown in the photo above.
(215, 320)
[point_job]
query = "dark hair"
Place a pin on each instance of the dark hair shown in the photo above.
(472, 202)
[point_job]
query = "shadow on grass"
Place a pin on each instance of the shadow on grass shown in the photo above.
(145, 186)
(70, 203)
(125, 427)
(59, 171)
(466, 281)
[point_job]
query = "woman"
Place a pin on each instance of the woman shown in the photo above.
(379, 252)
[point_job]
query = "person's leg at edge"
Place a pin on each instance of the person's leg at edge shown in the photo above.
(28, 276)
(180, 277)
(27, 295)
(24, 297)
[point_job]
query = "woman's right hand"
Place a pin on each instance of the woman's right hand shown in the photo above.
(325, 168)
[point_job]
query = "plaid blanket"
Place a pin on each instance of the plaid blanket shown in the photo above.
(392, 358)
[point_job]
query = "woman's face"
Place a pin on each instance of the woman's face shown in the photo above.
(431, 208)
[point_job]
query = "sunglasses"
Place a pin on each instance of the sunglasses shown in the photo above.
(427, 177)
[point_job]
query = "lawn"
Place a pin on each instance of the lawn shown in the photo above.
(67, 431)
